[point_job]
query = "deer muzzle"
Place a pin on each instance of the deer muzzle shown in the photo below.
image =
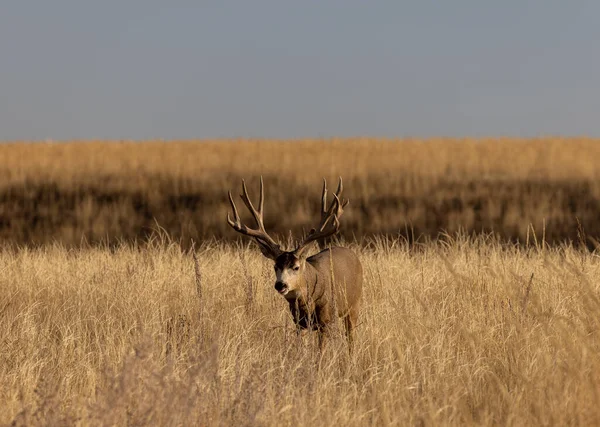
(281, 287)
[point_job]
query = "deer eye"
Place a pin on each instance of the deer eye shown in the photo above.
(296, 267)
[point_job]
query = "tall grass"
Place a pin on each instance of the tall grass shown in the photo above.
(461, 331)
(79, 192)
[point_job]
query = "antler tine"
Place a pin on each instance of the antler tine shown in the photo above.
(261, 199)
(235, 223)
(329, 218)
(338, 192)
(259, 234)
(246, 199)
(257, 214)
(335, 206)
(324, 198)
(340, 206)
(340, 188)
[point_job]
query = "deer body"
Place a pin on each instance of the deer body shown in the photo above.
(319, 288)
(329, 285)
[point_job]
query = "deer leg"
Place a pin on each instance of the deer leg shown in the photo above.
(323, 337)
(323, 318)
(350, 321)
(349, 331)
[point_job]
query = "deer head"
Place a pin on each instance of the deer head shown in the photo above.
(290, 266)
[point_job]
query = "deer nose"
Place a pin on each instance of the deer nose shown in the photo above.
(280, 286)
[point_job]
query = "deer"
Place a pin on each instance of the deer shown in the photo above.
(318, 288)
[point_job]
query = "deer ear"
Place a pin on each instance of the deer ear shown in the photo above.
(266, 250)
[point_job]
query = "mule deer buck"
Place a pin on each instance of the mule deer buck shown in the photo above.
(318, 288)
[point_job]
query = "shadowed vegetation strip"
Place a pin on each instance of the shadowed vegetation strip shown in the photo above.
(97, 191)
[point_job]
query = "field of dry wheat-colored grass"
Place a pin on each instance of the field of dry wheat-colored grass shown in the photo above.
(110, 191)
(456, 332)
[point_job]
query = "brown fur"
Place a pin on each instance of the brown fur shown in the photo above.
(318, 302)
(319, 288)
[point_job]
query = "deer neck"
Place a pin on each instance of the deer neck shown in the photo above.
(304, 293)
(312, 289)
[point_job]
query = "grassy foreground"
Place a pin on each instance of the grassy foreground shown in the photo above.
(112, 191)
(462, 331)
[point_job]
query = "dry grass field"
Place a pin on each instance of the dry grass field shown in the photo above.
(114, 191)
(481, 296)
(463, 331)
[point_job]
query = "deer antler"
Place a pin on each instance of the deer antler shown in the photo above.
(338, 194)
(269, 247)
(330, 224)
(325, 210)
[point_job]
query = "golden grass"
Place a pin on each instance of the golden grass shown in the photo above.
(463, 331)
(106, 191)
(70, 162)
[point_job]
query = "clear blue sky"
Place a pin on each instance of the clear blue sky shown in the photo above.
(201, 69)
